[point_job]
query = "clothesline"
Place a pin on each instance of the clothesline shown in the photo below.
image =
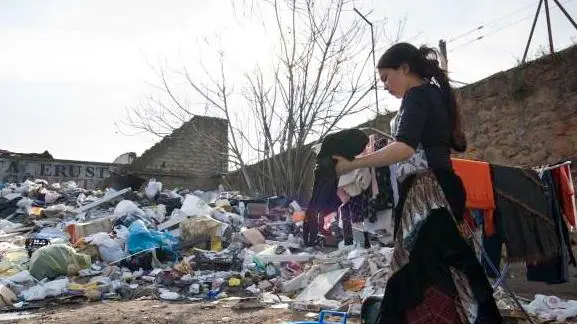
(556, 166)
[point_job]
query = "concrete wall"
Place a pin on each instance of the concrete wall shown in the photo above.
(86, 174)
(193, 156)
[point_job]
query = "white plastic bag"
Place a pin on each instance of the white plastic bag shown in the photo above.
(22, 277)
(158, 213)
(194, 206)
(42, 291)
(152, 189)
(50, 197)
(108, 248)
(127, 207)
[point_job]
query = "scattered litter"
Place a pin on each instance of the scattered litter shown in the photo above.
(59, 240)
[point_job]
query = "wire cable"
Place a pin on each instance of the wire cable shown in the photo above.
(492, 22)
(493, 32)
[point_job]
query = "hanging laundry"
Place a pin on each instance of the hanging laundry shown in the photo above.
(562, 176)
(523, 215)
(324, 199)
(554, 270)
(355, 182)
(384, 197)
(476, 178)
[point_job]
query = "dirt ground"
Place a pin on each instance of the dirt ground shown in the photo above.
(158, 312)
(77, 311)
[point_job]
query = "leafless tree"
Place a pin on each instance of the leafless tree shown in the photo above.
(321, 73)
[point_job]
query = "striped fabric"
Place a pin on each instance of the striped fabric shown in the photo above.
(424, 196)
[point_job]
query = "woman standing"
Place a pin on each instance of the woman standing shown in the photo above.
(436, 276)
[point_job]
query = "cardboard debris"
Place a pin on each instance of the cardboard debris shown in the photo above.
(253, 236)
(322, 285)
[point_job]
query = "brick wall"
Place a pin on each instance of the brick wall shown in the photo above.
(193, 156)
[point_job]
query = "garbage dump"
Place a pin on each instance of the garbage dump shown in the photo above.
(60, 242)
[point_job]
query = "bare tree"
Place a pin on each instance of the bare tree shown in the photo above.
(320, 74)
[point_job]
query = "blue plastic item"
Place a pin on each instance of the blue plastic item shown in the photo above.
(141, 238)
(322, 315)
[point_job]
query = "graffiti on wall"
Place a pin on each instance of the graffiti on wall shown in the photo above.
(85, 174)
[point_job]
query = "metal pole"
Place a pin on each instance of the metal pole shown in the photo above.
(551, 47)
(374, 73)
(566, 14)
(532, 31)
(444, 58)
(374, 59)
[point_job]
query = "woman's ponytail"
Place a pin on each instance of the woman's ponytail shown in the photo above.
(433, 71)
(424, 62)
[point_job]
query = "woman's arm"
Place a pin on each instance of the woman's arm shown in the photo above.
(392, 153)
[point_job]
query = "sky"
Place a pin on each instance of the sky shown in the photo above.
(69, 69)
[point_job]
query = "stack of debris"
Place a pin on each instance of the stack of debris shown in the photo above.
(60, 242)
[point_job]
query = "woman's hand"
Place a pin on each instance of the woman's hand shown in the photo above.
(343, 165)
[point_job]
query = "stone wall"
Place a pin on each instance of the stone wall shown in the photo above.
(526, 116)
(194, 156)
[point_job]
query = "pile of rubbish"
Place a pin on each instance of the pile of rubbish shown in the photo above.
(59, 242)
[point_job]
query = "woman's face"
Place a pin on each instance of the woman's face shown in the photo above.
(395, 80)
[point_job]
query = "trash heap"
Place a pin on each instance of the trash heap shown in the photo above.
(60, 242)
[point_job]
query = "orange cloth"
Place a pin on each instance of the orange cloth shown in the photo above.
(567, 199)
(476, 176)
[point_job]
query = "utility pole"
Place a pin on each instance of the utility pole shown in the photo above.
(550, 34)
(374, 59)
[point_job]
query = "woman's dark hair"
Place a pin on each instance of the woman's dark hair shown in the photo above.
(424, 62)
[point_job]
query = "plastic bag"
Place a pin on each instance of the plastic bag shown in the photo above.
(194, 206)
(156, 213)
(141, 239)
(127, 212)
(108, 248)
(42, 291)
(153, 189)
(8, 225)
(50, 197)
(22, 277)
(127, 207)
(121, 232)
(55, 260)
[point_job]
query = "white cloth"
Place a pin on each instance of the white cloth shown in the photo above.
(355, 182)
(394, 183)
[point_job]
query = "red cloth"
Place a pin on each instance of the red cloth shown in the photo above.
(562, 176)
(436, 308)
(476, 176)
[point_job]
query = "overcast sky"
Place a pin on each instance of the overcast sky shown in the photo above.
(69, 69)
